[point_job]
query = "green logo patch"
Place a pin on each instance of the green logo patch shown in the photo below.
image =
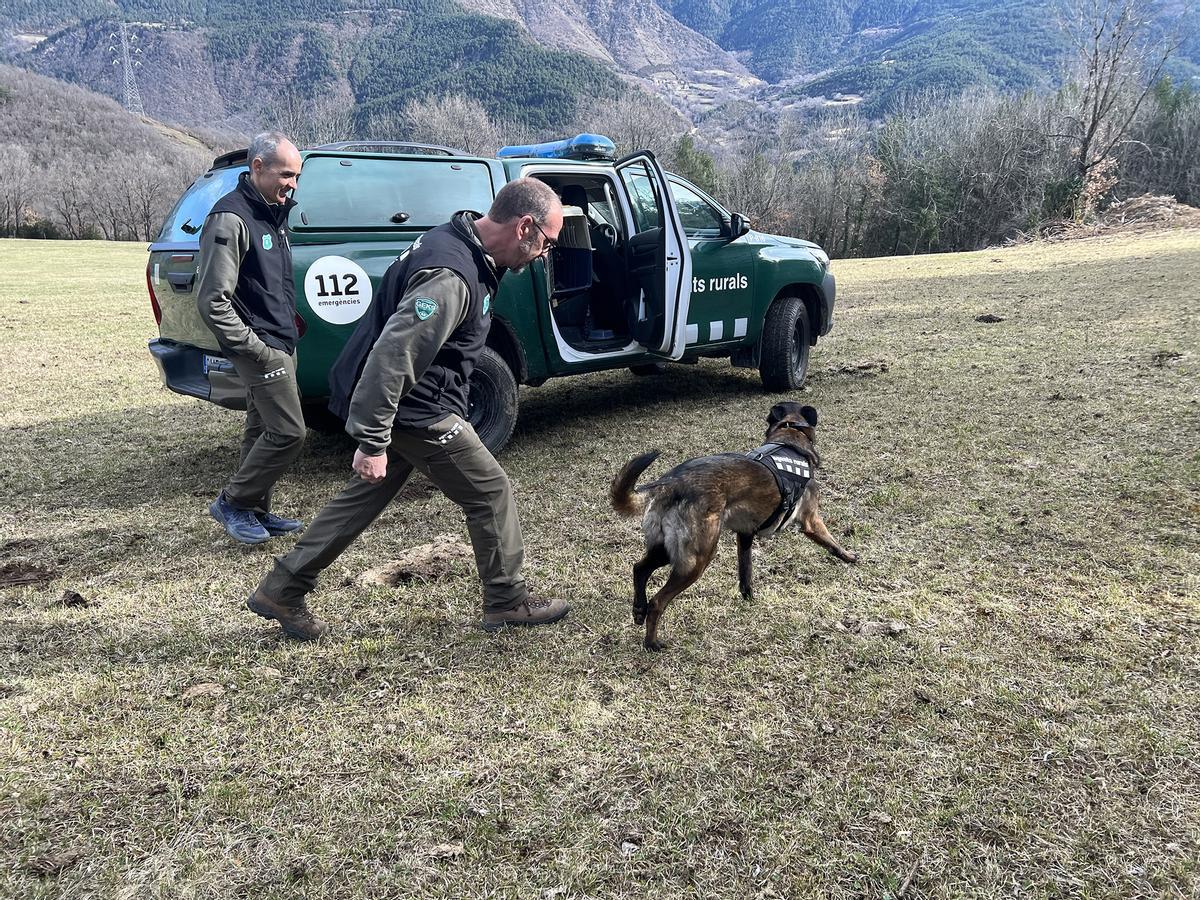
(425, 308)
(487, 303)
(267, 242)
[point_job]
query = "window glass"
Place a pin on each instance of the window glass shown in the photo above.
(187, 218)
(646, 214)
(699, 217)
(367, 193)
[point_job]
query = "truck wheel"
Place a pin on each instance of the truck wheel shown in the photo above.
(492, 410)
(318, 417)
(783, 363)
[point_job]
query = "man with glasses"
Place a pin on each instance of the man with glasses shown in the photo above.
(401, 385)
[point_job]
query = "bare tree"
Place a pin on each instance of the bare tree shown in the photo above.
(762, 185)
(18, 187)
(636, 121)
(454, 121)
(1163, 153)
(313, 121)
(1118, 58)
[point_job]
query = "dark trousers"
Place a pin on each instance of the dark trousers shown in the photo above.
(274, 432)
(450, 455)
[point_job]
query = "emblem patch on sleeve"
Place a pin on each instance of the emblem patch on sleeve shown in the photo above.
(487, 303)
(425, 307)
(266, 242)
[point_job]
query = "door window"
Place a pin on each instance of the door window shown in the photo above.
(699, 217)
(647, 211)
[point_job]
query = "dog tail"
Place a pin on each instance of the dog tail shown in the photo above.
(624, 500)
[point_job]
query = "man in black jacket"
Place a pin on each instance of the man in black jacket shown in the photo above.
(247, 297)
(401, 384)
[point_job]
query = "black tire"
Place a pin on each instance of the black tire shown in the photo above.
(654, 368)
(318, 417)
(783, 362)
(493, 400)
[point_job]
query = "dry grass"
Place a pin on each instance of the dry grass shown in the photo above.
(1024, 496)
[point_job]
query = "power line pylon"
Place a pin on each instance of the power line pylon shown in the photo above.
(128, 60)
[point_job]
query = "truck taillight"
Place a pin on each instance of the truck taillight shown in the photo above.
(153, 300)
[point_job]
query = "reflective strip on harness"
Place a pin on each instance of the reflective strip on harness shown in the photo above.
(792, 472)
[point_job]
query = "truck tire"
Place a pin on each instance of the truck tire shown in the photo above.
(492, 410)
(318, 417)
(783, 363)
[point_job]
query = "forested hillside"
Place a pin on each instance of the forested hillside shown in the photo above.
(210, 63)
(76, 164)
(535, 62)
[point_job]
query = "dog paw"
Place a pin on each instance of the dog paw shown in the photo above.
(851, 558)
(747, 596)
(655, 646)
(639, 617)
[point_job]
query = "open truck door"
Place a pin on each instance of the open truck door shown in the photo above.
(658, 257)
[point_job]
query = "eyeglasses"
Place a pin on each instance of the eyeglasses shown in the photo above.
(548, 243)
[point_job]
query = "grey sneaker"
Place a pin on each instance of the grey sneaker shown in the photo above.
(296, 621)
(533, 611)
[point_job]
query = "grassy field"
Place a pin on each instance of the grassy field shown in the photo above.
(1023, 494)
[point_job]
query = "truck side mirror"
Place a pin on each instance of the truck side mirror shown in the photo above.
(738, 225)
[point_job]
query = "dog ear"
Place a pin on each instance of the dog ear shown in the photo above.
(778, 411)
(810, 415)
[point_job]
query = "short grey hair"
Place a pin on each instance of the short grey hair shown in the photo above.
(265, 146)
(524, 197)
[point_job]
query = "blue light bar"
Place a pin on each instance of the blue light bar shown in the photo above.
(582, 146)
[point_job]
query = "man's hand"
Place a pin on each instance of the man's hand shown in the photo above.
(370, 468)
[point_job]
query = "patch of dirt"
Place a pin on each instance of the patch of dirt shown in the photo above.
(53, 863)
(445, 556)
(14, 573)
(18, 545)
(1162, 357)
(861, 370)
(71, 598)
(1149, 212)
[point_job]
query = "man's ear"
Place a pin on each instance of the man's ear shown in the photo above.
(810, 415)
(778, 411)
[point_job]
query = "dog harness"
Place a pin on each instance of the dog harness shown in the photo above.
(792, 469)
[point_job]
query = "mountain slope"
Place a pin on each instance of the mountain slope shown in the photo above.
(81, 161)
(535, 62)
(219, 69)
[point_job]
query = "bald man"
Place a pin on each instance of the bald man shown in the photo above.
(247, 297)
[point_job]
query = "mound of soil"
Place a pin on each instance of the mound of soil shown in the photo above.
(446, 556)
(1149, 212)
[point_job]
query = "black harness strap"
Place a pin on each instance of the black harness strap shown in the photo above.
(792, 470)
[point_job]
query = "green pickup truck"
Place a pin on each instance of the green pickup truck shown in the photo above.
(649, 269)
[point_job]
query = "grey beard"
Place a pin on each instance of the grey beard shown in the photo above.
(525, 247)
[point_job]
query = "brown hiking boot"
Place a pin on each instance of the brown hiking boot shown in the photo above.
(533, 611)
(296, 621)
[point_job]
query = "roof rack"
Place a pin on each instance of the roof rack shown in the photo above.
(239, 157)
(394, 147)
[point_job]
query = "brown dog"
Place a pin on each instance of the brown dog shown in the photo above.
(684, 511)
